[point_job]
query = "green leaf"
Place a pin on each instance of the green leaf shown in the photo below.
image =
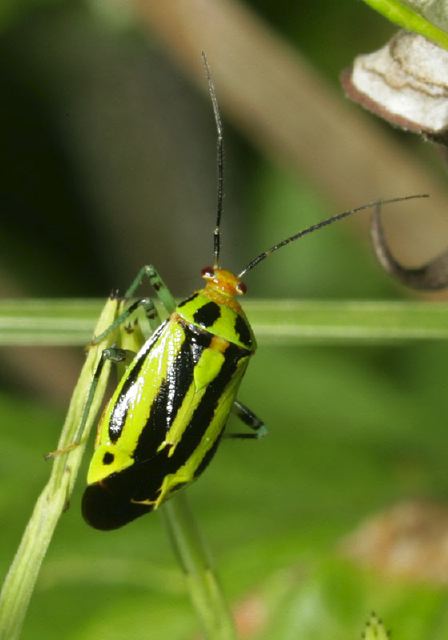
(403, 15)
(279, 322)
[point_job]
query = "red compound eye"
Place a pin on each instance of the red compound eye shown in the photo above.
(207, 272)
(241, 288)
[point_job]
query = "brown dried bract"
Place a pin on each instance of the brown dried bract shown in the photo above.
(408, 540)
(405, 82)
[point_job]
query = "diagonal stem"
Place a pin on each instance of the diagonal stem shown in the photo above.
(205, 589)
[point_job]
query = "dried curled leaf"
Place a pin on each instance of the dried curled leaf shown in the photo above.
(405, 82)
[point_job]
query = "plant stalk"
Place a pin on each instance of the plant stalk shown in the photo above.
(205, 589)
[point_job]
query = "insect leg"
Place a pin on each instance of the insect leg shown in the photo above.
(150, 311)
(162, 292)
(114, 355)
(251, 420)
(156, 282)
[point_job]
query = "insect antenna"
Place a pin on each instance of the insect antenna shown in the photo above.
(219, 162)
(323, 223)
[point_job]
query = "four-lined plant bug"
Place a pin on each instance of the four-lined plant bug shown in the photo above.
(168, 413)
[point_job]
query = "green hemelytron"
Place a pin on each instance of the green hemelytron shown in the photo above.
(168, 413)
(166, 417)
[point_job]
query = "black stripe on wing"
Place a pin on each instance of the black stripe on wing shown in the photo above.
(119, 413)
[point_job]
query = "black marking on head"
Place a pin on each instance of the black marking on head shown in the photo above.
(189, 299)
(157, 285)
(243, 331)
(108, 458)
(207, 315)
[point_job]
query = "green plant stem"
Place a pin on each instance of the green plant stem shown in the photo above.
(203, 584)
(24, 570)
(279, 322)
(408, 19)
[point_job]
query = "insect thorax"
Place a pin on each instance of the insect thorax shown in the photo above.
(223, 318)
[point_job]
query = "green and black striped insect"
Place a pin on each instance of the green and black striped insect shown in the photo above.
(169, 411)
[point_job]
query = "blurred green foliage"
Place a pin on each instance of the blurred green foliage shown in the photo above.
(107, 163)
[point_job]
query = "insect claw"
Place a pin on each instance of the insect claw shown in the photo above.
(145, 502)
(431, 276)
(51, 455)
(130, 327)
